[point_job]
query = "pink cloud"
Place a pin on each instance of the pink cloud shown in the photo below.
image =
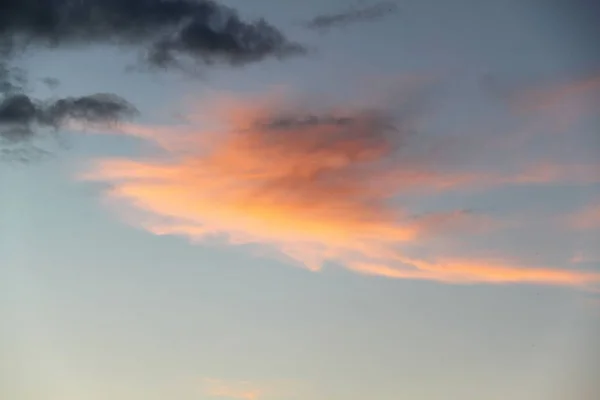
(587, 218)
(315, 187)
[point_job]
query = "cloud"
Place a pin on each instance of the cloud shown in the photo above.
(302, 183)
(202, 30)
(586, 257)
(587, 218)
(452, 270)
(52, 83)
(20, 114)
(243, 390)
(168, 34)
(351, 16)
(12, 79)
(529, 96)
(313, 186)
(447, 223)
(555, 106)
(577, 92)
(22, 119)
(249, 390)
(546, 172)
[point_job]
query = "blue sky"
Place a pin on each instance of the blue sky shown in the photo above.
(192, 252)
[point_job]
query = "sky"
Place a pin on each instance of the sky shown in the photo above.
(313, 200)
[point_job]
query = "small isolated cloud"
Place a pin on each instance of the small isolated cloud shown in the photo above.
(354, 15)
(52, 83)
(315, 186)
(231, 390)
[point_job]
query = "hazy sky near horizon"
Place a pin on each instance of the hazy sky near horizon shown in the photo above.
(387, 200)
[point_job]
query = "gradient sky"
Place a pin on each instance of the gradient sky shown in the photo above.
(410, 209)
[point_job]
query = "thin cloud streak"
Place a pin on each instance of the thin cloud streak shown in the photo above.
(542, 96)
(355, 15)
(467, 271)
(315, 187)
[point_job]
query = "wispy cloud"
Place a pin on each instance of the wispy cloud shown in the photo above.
(51, 83)
(314, 186)
(557, 172)
(354, 15)
(576, 92)
(481, 271)
(586, 257)
(553, 106)
(232, 390)
(586, 218)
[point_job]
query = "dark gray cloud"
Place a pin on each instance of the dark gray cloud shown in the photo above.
(368, 120)
(201, 30)
(353, 15)
(167, 32)
(12, 79)
(21, 116)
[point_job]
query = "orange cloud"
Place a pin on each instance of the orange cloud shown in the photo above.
(315, 187)
(481, 271)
